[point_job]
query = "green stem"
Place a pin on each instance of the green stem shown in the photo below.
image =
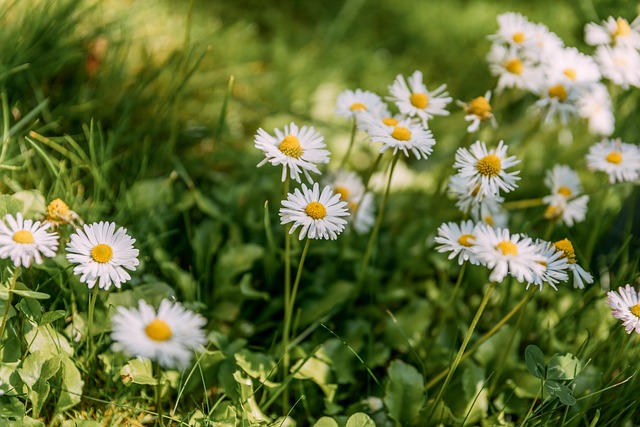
(458, 357)
(354, 128)
(435, 380)
(92, 306)
(374, 166)
(287, 296)
(7, 303)
(158, 392)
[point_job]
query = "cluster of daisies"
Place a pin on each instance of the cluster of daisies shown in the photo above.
(101, 255)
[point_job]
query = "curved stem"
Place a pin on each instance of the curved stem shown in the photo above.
(465, 341)
(7, 303)
(354, 128)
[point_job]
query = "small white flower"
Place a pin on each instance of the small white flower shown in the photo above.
(405, 136)
(351, 189)
(25, 241)
(485, 169)
(507, 253)
(169, 336)
(558, 101)
(555, 265)
(595, 106)
(102, 254)
(363, 214)
(613, 31)
(351, 103)
(515, 30)
(625, 306)
(619, 64)
(564, 202)
(618, 159)
(414, 100)
(580, 276)
(457, 239)
(569, 66)
(478, 110)
(299, 150)
(513, 68)
(318, 214)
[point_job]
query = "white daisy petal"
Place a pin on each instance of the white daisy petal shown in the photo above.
(25, 241)
(625, 306)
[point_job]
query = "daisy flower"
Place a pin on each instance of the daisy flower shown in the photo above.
(168, 336)
(318, 214)
(595, 106)
(486, 169)
(625, 306)
(25, 241)
(405, 136)
(569, 66)
(457, 239)
(513, 68)
(619, 64)
(555, 265)
(618, 159)
(350, 103)
(351, 190)
(102, 254)
(414, 100)
(478, 110)
(363, 213)
(563, 202)
(558, 100)
(298, 150)
(58, 213)
(613, 31)
(507, 253)
(515, 30)
(580, 276)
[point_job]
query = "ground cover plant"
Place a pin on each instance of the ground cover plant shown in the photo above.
(324, 213)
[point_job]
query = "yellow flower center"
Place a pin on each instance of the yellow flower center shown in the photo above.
(518, 37)
(401, 134)
(358, 106)
(466, 240)
(623, 28)
(507, 248)
(342, 191)
(102, 253)
(488, 219)
(571, 73)
(316, 210)
(552, 212)
(614, 157)
(565, 191)
(558, 91)
(514, 66)
(390, 121)
(419, 100)
(566, 247)
(479, 107)
(158, 330)
(290, 146)
(489, 165)
(23, 237)
(635, 310)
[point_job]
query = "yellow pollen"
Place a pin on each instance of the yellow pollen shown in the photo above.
(488, 220)
(623, 29)
(558, 91)
(158, 330)
(342, 191)
(552, 212)
(518, 37)
(542, 263)
(571, 73)
(23, 236)
(614, 157)
(514, 66)
(290, 146)
(489, 165)
(419, 100)
(316, 210)
(102, 253)
(401, 134)
(466, 240)
(635, 310)
(390, 121)
(358, 106)
(507, 248)
(566, 247)
(565, 191)
(479, 107)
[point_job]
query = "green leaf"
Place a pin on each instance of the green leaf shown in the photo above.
(71, 385)
(48, 341)
(360, 419)
(404, 394)
(51, 316)
(563, 366)
(11, 407)
(36, 371)
(318, 370)
(560, 391)
(8, 205)
(81, 423)
(249, 291)
(33, 203)
(258, 366)
(534, 359)
(326, 422)
(25, 292)
(138, 371)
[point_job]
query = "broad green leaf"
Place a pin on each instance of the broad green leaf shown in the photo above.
(138, 371)
(36, 371)
(81, 423)
(235, 260)
(30, 308)
(563, 366)
(326, 422)
(404, 395)
(11, 407)
(249, 291)
(25, 292)
(9, 205)
(319, 371)
(70, 384)
(360, 419)
(48, 341)
(33, 203)
(51, 316)
(534, 359)
(560, 391)
(475, 393)
(248, 399)
(258, 366)
(30, 422)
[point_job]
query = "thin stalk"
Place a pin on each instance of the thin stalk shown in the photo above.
(354, 128)
(158, 392)
(435, 380)
(7, 303)
(287, 302)
(458, 357)
(374, 166)
(92, 307)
